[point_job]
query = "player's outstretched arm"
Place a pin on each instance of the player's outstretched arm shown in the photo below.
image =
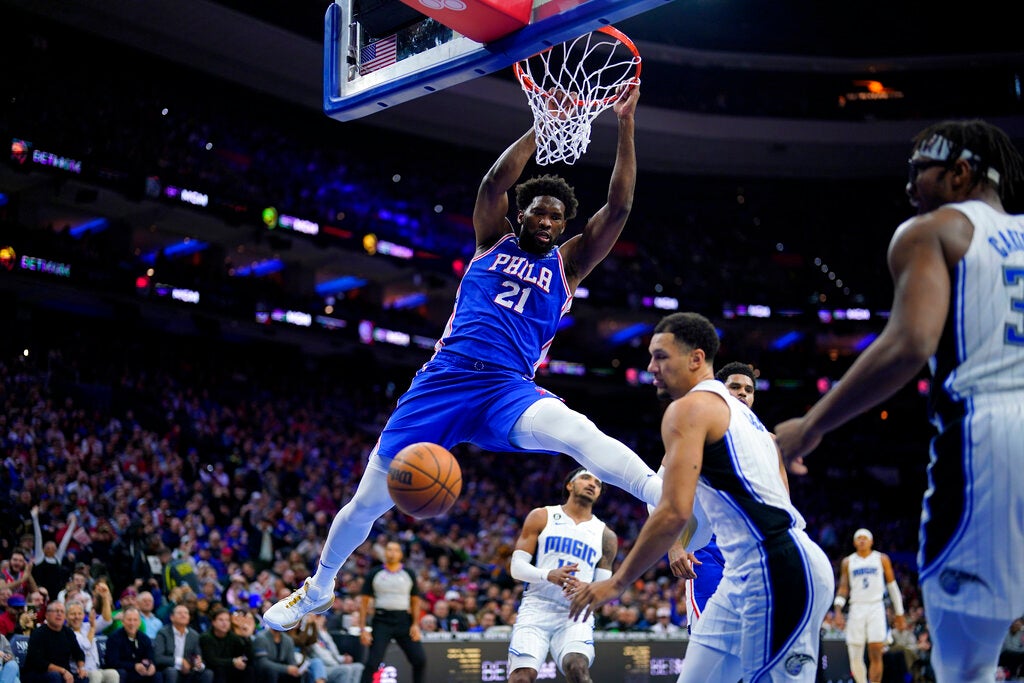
(490, 213)
(585, 251)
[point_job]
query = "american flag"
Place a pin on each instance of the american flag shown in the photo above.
(377, 55)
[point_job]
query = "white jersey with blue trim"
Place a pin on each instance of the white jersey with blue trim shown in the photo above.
(982, 348)
(740, 486)
(867, 578)
(564, 541)
(508, 307)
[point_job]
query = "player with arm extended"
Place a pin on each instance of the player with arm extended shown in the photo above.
(763, 622)
(559, 547)
(479, 386)
(958, 271)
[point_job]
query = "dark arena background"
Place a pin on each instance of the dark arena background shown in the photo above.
(211, 296)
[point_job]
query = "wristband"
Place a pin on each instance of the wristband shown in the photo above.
(839, 603)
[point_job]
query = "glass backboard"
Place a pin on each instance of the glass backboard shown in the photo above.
(379, 54)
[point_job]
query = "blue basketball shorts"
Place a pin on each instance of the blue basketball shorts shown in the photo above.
(454, 399)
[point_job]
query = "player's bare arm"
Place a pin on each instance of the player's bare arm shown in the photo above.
(920, 271)
(609, 549)
(686, 427)
(583, 252)
(490, 214)
(842, 593)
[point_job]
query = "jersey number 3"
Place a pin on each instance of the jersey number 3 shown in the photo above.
(1014, 334)
(513, 296)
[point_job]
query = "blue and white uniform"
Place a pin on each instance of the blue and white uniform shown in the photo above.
(480, 379)
(866, 622)
(972, 524)
(543, 623)
(763, 622)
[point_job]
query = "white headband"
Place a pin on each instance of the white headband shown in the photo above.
(582, 472)
(940, 148)
(863, 532)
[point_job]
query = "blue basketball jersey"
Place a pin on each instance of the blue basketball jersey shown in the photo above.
(508, 307)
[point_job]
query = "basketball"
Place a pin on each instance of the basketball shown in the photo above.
(424, 480)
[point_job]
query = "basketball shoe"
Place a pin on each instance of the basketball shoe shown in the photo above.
(286, 614)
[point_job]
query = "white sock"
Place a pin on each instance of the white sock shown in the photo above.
(551, 426)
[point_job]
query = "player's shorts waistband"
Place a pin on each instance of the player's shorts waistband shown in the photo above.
(467, 363)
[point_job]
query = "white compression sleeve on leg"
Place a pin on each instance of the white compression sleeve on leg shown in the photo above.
(896, 597)
(857, 666)
(352, 524)
(522, 569)
(549, 425)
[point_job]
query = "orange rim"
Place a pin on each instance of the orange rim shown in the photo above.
(607, 30)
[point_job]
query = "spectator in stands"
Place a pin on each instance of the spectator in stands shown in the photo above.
(85, 633)
(1012, 656)
(226, 654)
(428, 623)
(27, 623)
(332, 662)
(176, 650)
(53, 651)
(130, 651)
(151, 623)
(17, 575)
(129, 600)
(445, 621)
(9, 618)
(179, 567)
(274, 654)
(102, 606)
(9, 667)
(79, 582)
(627, 619)
(37, 602)
(663, 621)
(48, 558)
(243, 624)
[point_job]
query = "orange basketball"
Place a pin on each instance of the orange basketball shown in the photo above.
(424, 480)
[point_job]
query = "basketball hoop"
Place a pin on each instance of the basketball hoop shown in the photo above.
(568, 85)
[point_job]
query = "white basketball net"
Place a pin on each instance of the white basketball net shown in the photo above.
(568, 85)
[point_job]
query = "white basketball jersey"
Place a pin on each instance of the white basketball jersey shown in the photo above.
(740, 486)
(982, 347)
(561, 542)
(867, 578)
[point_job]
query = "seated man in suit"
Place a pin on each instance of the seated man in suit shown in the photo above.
(176, 650)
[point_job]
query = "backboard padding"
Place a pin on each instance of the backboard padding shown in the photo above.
(348, 95)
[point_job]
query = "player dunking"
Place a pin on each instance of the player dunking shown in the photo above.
(958, 270)
(863, 578)
(762, 623)
(479, 386)
(570, 545)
